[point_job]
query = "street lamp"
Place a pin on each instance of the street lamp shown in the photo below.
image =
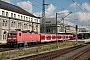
(56, 26)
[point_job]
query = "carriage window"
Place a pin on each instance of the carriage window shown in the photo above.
(53, 37)
(43, 37)
(59, 36)
(48, 36)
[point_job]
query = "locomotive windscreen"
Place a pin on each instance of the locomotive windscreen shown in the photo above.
(12, 34)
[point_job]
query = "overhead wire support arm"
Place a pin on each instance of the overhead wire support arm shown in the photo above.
(65, 16)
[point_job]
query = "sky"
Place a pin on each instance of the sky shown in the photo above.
(80, 10)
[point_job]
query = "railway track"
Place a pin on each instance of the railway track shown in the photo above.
(49, 55)
(82, 55)
(4, 48)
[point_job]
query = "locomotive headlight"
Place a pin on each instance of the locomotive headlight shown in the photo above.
(9, 38)
(14, 38)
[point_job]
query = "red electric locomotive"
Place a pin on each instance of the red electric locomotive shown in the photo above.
(18, 37)
(24, 38)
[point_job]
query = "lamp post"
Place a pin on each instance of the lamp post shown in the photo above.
(57, 28)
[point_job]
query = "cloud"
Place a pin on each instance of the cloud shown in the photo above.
(74, 5)
(38, 14)
(83, 15)
(7, 1)
(86, 7)
(49, 12)
(63, 13)
(27, 5)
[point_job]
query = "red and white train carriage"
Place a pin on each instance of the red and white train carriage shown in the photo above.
(19, 37)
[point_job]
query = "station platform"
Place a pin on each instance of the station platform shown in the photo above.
(83, 40)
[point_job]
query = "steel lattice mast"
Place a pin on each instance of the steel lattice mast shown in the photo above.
(43, 17)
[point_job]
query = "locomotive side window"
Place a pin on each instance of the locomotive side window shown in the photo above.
(19, 34)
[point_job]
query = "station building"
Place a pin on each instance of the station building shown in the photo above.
(61, 28)
(14, 17)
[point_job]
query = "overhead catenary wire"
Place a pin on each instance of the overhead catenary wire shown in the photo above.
(83, 10)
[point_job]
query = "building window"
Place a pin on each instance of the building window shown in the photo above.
(19, 25)
(4, 35)
(24, 17)
(12, 24)
(37, 20)
(48, 30)
(19, 16)
(5, 23)
(62, 29)
(6, 14)
(12, 15)
(31, 19)
(30, 26)
(25, 25)
(37, 28)
(3, 13)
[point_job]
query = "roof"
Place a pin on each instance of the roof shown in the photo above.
(11, 7)
(82, 29)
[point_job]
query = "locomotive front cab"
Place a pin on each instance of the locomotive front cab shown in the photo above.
(12, 37)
